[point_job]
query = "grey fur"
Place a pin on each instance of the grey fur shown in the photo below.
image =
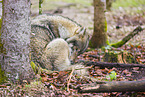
(45, 28)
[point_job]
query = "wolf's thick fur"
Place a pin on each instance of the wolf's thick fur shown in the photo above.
(56, 56)
(59, 26)
(45, 28)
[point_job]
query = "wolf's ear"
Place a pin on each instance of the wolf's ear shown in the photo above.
(71, 39)
(81, 30)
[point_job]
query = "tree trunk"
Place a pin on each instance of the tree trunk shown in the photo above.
(40, 6)
(16, 39)
(99, 37)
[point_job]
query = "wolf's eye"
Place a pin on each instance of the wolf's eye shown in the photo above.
(75, 43)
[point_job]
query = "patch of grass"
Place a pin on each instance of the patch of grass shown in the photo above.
(128, 3)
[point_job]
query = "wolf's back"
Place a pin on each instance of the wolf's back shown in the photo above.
(60, 26)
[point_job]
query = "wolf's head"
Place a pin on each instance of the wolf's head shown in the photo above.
(80, 40)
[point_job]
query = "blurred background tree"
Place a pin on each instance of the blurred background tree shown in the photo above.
(109, 4)
(99, 37)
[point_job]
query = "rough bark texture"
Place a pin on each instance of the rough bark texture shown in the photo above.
(47, 27)
(99, 37)
(122, 86)
(16, 39)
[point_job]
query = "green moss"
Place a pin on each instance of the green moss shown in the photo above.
(107, 42)
(0, 23)
(1, 46)
(118, 44)
(34, 67)
(38, 70)
(2, 73)
(105, 25)
(3, 78)
(110, 56)
(90, 44)
(0, 28)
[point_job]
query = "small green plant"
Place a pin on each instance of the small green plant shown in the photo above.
(40, 78)
(27, 86)
(111, 76)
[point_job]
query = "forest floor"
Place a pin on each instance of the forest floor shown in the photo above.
(120, 21)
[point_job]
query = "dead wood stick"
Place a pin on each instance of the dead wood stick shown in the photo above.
(3, 86)
(106, 64)
(120, 86)
(69, 79)
(128, 37)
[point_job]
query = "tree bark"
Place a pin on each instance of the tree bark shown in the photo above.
(99, 37)
(16, 39)
(122, 86)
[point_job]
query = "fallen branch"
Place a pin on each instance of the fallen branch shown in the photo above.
(3, 86)
(106, 64)
(121, 86)
(128, 37)
(69, 79)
